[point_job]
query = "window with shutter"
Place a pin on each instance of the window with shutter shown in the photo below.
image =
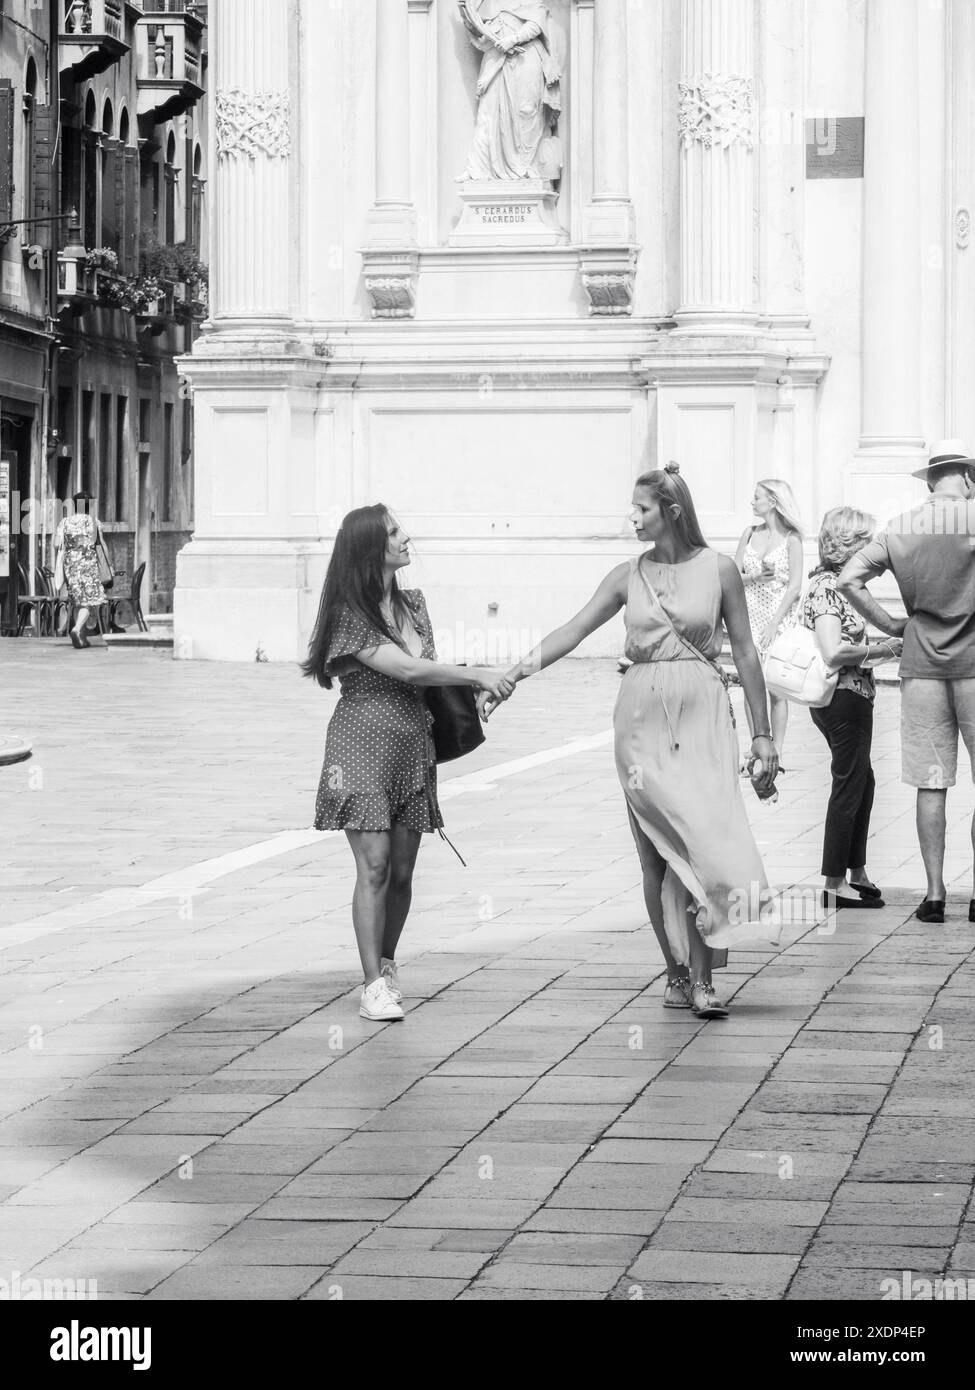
(110, 210)
(44, 133)
(6, 149)
(70, 173)
(130, 247)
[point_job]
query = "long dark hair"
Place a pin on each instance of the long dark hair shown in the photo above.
(354, 579)
(670, 490)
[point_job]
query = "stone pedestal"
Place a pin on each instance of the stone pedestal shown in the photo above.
(519, 213)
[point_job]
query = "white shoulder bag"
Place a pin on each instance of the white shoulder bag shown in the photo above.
(795, 669)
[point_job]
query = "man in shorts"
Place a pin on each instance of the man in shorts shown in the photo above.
(931, 553)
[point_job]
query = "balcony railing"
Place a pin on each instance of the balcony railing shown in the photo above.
(92, 37)
(168, 43)
(93, 17)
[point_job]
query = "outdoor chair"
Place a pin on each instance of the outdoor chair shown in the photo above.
(133, 600)
(29, 603)
(59, 605)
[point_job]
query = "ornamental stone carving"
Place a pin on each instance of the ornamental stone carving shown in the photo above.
(608, 275)
(253, 123)
(390, 282)
(717, 110)
(963, 228)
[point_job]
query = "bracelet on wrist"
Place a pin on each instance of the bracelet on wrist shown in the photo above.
(755, 737)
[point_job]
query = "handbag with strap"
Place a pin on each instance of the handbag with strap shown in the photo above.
(457, 728)
(106, 574)
(796, 671)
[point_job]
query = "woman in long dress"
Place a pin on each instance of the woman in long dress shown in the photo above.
(80, 538)
(769, 557)
(676, 748)
(379, 778)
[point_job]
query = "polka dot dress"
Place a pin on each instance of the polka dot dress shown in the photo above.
(379, 764)
(763, 598)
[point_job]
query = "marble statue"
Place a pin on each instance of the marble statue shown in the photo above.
(518, 99)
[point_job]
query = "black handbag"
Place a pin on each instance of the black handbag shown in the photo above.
(456, 727)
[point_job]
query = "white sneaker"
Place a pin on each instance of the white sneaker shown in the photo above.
(390, 974)
(377, 1003)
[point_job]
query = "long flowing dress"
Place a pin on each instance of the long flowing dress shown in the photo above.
(380, 765)
(677, 760)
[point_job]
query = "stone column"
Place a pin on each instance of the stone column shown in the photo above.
(717, 167)
(609, 217)
(608, 257)
(891, 371)
(390, 257)
(252, 235)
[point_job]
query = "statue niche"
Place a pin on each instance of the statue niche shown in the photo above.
(515, 156)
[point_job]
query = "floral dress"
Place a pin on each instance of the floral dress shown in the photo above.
(822, 598)
(78, 534)
(763, 597)
(380, 765)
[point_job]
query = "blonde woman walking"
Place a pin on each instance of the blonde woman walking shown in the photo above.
(769, 559)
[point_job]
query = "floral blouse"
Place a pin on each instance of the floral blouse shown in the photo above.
(822, 598)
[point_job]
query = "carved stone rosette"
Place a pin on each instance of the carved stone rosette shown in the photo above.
(717, 110)
(253, 123)
(390, 282)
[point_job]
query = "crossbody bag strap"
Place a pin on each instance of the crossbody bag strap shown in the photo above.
(686, 643)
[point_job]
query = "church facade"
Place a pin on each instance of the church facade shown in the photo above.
(486, 261)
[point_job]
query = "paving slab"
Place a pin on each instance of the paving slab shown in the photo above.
(209, 1118)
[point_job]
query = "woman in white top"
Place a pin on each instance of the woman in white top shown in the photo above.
(769, 557)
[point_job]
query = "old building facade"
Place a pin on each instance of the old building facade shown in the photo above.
(734, 233)
(116, 280)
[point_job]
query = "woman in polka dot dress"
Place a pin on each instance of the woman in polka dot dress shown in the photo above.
(770, 560)
(379, 781)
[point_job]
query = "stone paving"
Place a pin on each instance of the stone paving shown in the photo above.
(191, 1108)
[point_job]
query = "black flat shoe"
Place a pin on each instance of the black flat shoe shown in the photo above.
(971, 910)
(932, 910)
(867, 890)
(858, 904)
(76, 641)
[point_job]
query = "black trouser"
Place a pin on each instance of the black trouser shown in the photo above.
(846, 724)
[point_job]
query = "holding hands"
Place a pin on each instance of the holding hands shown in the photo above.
(493, 696)
(495, 687)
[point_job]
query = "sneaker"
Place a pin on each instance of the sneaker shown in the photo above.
(377, 1003)
(390, 974)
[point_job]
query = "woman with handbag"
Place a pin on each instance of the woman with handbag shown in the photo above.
(379, 780)
(676, 746)
(769, 558)
(846, 722)
(82, 563)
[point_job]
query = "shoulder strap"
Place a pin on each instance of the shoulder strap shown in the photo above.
(684, 641)
(687, 644)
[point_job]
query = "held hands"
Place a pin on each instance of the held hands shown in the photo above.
(494, 694)
(495, 683)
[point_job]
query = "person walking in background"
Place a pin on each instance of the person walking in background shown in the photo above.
(931, 553)
(676, 748)
(769, 559)
(379, 780)
(78, 546)
(846, 723)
